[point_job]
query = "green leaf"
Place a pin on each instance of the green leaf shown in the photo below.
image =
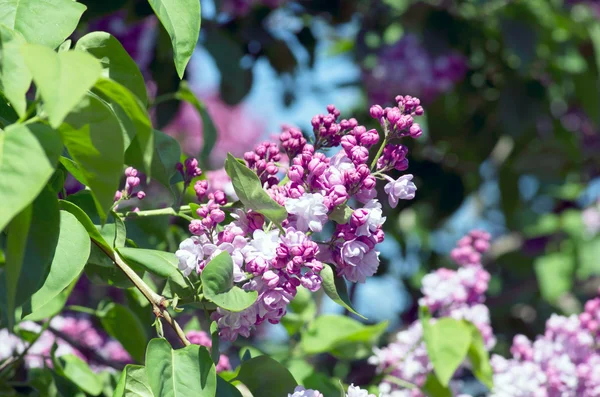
(209, 131)
(214, 336)
(15, 252)
(85, 221)
(447, 341)
(181, 20)
(555, 274)
(123, 325)
(77, 371)
(93, 137)
(133, 383)
(52, 307)
(479, 358)
(116, 63)
(341, 214)
(265, 377)
(61, 78)
(341, 336)
(433, 387)
(226, 389)
(47, 22)
(167, 154)
(217, 285)
(248, 188)
(138, 126)
(70, 256)
(15, 78)
(187, 372)
(335, 288)
(159, 263)
(22, 147)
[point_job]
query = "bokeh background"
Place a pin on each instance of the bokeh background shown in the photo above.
(511, 139)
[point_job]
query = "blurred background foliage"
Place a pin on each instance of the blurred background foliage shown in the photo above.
(511, 140)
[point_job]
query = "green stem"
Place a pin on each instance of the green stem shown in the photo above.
(81, 309)
(183, 210)
(164, 98)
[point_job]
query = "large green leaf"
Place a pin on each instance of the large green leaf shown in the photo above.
(480, 358)
(137, 123)
(335, 288)
(181, 20)
(21, 146)
(61, 78)
(116, 63)
(159, 263)
(265, 377)
(47, 22)
(93, 137)
(133, 383)
(53, 306)
(15, 252)
(15, 78)
(187, 372)
(218, 287)
(123, 325)
(86, 222)
(70, 256)
(77, 371)
(209, 131)
(167, 153)
(226, 389)
(248, 188)
(447, 341)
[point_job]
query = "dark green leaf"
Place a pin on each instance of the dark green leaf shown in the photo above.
(62, 79)
(85, 221)
(209, 131)
(123, 325)
(167, 154)
(187, 372)
(248, 188)
(433, 387)
(217, 285)
(133, 383)
(93, 137)
(21, 147)
(47, 22)
(226, 389)
(447, 341)
(77, 371)
(181, 20)
(116, 62)
(15, 78)
(265, 377)
(335, 288)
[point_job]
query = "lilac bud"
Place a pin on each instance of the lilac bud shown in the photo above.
(296, 173)
(316, 121)
(338, 195)
(270, 278)
(136, 209)
(118, 195)
(196, 227)
(394, 115)
(295, 190)
(220, 197)
(202, 212)
(141, 195)
(359, 217)
(132, 181)
(317, 167)
(217, 216)
(352, 123)
(359, 154)
(369, 138)
(272, 169)
(419, 111)
(179, 167)
(255, 220)
(415, 130)
(376, 111)
(130, 171)
(369, 182)
(200, 187)
(348, 142)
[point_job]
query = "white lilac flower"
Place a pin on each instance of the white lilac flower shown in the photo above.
(299, 391)
(189, 254)
(360, 261)
(263, 244)
(400, 189)
(355, 391)
(374, 219)
(310, 211)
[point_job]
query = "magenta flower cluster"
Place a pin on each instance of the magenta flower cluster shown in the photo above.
(72, 335)
(132, 181)
(408, 66)
(316, 189)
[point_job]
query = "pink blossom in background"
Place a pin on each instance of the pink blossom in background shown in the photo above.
(237, 129)
(407, 66)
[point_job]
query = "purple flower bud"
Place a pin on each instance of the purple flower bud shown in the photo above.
(348, 142)
(255, 220)
(317, 167)
(376, 112)
(141, 195)
(272, 169)
(415, 130)
(359, 217)
(196, 227)
(203, 211)
(118, 195)
(369, 182)
(393, 115)
(295, 190)
(200, 187)
(359, 154)
(419, 111)
(352, 123)
(337, 195)
(132, 181)
(220, 197)
(130, 171)
(311, 281)
(315, 121)
(296, 173)
(217, 216)
(369, 138)
(270, 278)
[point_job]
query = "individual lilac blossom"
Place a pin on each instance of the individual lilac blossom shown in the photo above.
(300, 391)
(355, 391)
(132, 180)
(310, 211)
(360, 261)
(400, 189)
(370, 219)
(190, 255)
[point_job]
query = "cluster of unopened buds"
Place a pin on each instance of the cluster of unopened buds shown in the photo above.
(132, 180)
(564, 361)
(316, 190)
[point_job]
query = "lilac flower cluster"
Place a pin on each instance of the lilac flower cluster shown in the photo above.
(79, 330)
(203, 339)
(353, 391)
(408, 66)
(446, 293)
(132, 180)
(275, 263)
